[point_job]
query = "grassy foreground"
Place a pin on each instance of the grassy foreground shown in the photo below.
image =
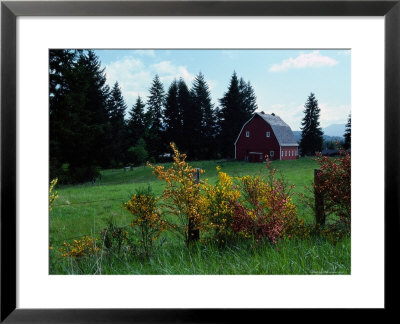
(313, 256)
(84, 209)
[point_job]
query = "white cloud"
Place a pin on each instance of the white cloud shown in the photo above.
(163, 67)
(290, 113)
(333, 114)
(127, 64)
(168, 72)
(212, 84)
(132, 77)
(135, 77)
(185, 74)
(314, 59)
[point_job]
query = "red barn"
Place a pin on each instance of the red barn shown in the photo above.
(265, 134)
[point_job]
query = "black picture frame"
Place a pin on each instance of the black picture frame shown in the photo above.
(10, 10)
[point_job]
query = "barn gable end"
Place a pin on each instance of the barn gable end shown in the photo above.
(281, 143)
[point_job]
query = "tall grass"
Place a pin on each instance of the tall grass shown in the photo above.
(312, 256)
(84, 209)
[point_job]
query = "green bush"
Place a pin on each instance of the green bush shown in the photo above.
(138, 154)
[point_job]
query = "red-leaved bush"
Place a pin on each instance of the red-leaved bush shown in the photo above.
(257, 223)
(335, 186)
(267, 210)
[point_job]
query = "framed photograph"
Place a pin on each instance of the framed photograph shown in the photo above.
(99, 99)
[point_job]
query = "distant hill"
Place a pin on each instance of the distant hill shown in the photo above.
(297, 136)
(333, 132)
(336, 130)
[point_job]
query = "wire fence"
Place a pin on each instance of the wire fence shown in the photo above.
(61, 241)
(88, 202)
(197, 178)
(56, 243)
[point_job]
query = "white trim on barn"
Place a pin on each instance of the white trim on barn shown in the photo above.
(242, 130)
(261, 115)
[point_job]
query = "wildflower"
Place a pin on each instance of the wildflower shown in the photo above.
(52, 195)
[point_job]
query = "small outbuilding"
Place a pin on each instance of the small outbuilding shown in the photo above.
(265, 134)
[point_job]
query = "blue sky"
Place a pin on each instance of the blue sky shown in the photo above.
(282, 79)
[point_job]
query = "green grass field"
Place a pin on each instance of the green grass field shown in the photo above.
(83, 210)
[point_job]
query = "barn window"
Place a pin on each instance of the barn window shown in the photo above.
(268, 134)
(282, 153)
(271, 153)
(289, 153)
(247, 133)
(285, 153)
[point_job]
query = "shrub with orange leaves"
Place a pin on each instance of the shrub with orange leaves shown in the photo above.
(147, 218)
(218, 207)
(181, 198)
(85, 246)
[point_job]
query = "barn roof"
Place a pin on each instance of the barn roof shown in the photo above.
(282, 131)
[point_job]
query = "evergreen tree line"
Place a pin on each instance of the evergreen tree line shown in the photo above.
(92, 128)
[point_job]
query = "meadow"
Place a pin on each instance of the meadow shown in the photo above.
(84, 210)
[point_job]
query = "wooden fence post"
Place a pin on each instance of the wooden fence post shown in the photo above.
(194, 233)
(319, 199)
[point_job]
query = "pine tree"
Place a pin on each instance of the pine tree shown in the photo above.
(117, 132)
(218, 123)
(236, 107)
(95, 93)
(191, 121)
(85, 119)
(173, 115)
(231, 117)
(311, 135)
(155, 106)
(347, 134)
(249, 99)
(137, 126)
(61, 65)
(202, 106)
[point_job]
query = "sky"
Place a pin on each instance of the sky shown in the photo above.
(282, 79)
